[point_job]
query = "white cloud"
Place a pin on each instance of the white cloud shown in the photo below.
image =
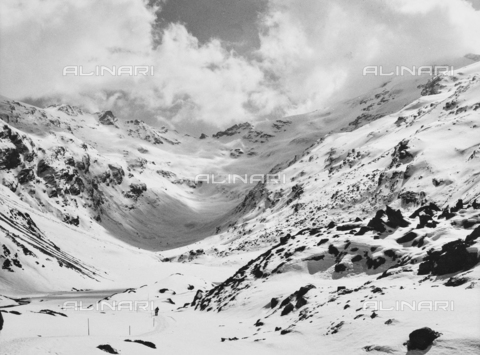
(311, 52)
(318, 48)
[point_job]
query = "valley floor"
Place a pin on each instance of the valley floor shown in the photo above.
(48, 324)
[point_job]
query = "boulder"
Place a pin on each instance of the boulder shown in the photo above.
(289, 307)
(407, 238)
(453, 257)
(395, 218)
(107, 348)
(421, 339)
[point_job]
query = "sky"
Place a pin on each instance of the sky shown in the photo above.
(221, 62)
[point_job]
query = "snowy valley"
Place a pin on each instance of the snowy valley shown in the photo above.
(378, 210)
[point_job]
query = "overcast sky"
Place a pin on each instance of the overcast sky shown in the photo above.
(219, 62)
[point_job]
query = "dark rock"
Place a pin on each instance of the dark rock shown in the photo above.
(401, 155)
(346, 227)
(71, 220)
(46, 172)
(259, 323)
(107, 118)
(52, 313)
(52, 193)
(340, 268)
(273, 302)
(472, 237)
(426, 221)
(11, 184)
(407, 238)
(447, 214)
(287, 309)
(117, 172)
(331, 225)
(77, 187)
(297, 297)
(146, 343)
(107, 348)
(235, 129)
(301, 301)
(376, 223)
(363, 230)
(356, 258)
(453, 257)
(421, 339)
(9, 158)
(257, 272)
(457, 207)
(197, 298)
(303, 290)
(456, 281)
(375, 263)
(395, 218)
(7, 265)
(476, 205)
(203, 136)
(432, 87)
(332, 250)
(136, 190)
(25, 175)
(285, 239)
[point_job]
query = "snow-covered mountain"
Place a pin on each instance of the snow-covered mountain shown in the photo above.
(378, 202)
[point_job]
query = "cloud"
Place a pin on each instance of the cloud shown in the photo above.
(310, 52)
(191, 81)
(318, 48)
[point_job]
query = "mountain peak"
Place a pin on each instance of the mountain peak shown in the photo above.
(234, 130)
(106, 118)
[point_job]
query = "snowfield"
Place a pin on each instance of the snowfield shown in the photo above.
(373, 233)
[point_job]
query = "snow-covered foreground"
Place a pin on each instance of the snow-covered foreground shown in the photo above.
(373, 233)
(178, 330)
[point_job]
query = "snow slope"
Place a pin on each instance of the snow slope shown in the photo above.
(380, 205)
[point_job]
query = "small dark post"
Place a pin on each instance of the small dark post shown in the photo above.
(1, 321)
